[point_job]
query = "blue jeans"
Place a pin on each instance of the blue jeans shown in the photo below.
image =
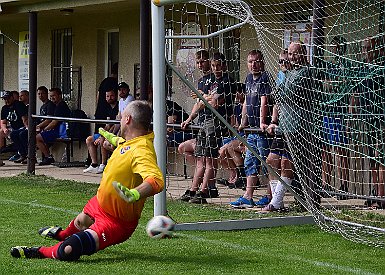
(260, 144)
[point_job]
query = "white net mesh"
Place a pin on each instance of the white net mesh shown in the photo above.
(330, 105)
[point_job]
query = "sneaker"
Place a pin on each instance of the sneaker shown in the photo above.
(25, 252)
(47, 161)
(14, 157)
(91, 169)
(270, 208)
(199, 198)
(187, 195)
(101, 169)
(265, 200)
(20, 159)
(50, 232)
(242, 203)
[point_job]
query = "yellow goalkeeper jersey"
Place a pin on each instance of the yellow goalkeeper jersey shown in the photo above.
(130, 164)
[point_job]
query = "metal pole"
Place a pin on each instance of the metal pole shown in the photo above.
(32, 92)
(159, 96)
(144, 48)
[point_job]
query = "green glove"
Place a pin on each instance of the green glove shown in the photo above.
(128, 195)
(113, 139)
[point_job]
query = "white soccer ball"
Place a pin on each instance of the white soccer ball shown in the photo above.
(160, 227)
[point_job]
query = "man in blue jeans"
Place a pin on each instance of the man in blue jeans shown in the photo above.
(255, 114)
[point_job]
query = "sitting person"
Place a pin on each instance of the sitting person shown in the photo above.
(49, 133)
(230, 154)
(96, 140)
(14, 113)
(175, 115)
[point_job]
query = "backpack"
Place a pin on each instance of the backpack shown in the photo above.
(78, 130)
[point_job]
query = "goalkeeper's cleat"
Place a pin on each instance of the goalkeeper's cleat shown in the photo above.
(50, 232)
(25, 252)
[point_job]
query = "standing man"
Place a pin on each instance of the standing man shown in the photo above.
(15, 113)
(96, 140)
(111, 216)
(218, 91)
(202, 59)
(109, 83)
(50, 132)
(299, 121)
(256, 114)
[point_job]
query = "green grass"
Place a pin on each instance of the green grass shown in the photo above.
(27, 203)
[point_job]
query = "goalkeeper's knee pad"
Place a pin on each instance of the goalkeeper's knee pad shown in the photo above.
(82, 243)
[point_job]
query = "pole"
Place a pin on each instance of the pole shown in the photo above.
(32, 92)
(159, 96)
(144, 48)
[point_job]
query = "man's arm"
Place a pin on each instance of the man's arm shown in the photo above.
(4, 126)
(243, 117)
(192, 116)
(264, 112)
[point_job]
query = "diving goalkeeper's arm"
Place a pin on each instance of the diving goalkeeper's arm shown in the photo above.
(113, 139)
(150, 186)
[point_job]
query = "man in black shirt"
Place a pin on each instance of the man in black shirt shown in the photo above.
(51, 132)
(109, 83)
(16, 114)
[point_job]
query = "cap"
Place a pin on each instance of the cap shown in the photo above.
(6, 94)
(123, 85)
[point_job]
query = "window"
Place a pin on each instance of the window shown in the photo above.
(61, 60)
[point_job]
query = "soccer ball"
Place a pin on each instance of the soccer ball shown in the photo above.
(160, 227)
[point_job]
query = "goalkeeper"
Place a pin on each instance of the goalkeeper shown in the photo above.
(111, 216)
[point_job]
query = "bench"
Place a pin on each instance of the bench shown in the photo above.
(69, 151)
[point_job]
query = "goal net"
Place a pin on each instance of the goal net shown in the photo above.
(330, 100)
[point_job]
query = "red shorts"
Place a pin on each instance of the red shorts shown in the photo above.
(110, 230)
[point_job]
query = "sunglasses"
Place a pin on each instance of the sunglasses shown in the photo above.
(282, 61)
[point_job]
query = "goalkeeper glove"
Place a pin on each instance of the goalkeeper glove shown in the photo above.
(128, 195)
(113, 139)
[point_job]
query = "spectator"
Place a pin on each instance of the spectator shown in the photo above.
(175, 115)
(16, 114)
(335, 135)
(49, 133)
(15, 95)
(255, 113)
(113, 214)
(96, 140)
(24, 97)
(278, 146)
(125, 98)
(203, 64)
(109, 83)
(10, 147)
(298, 102)
(218, 91)
(231, 152)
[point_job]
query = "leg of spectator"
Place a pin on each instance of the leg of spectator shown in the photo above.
(92, 149)
(211, 166)
(198, 173)
(41, 145)
(187, 149)
(2, 139)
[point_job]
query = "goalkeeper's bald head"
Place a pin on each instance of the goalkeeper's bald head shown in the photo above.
(140, 112)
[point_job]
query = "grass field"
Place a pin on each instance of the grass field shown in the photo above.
(28, 203)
